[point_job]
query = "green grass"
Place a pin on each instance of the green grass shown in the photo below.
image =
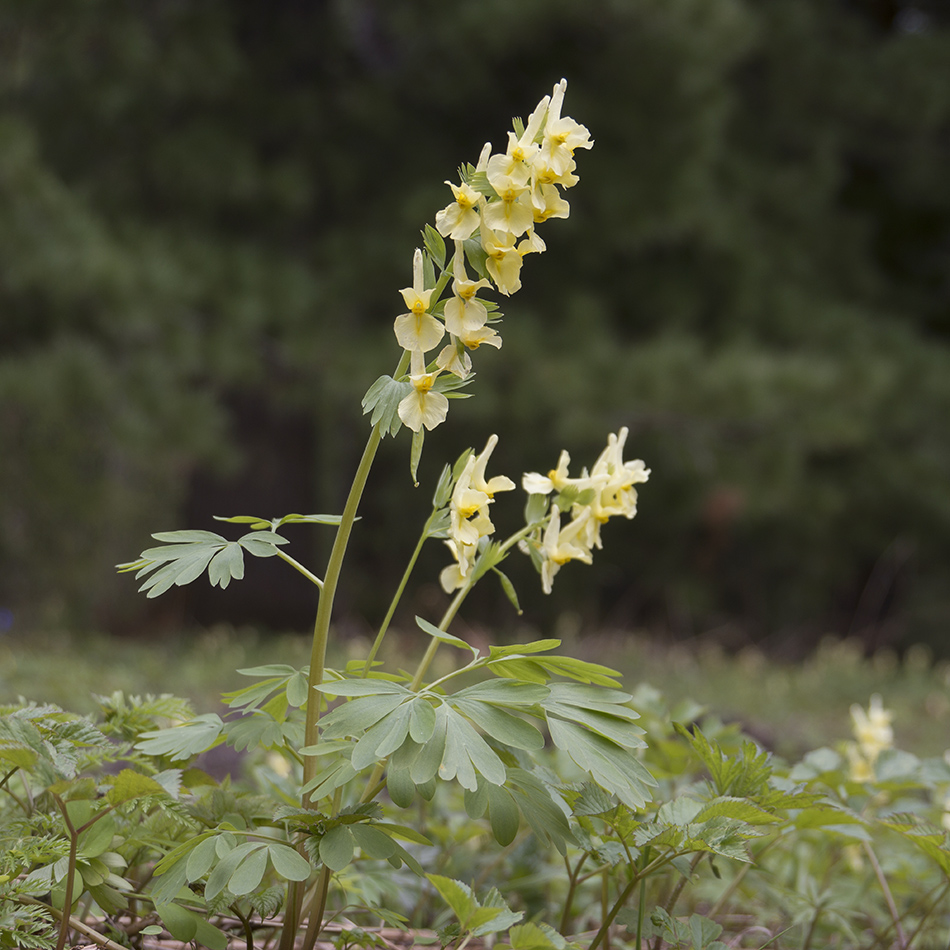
(788, 708)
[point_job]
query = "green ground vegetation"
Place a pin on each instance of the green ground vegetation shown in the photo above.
(789, 707)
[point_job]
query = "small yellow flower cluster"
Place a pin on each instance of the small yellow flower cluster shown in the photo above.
(592, 498)
(873, 733)
(468, 515)
(492, 222)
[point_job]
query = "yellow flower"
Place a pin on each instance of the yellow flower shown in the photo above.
(468, 514)
(555, 480)
(504, 259)
(459, 219)
(560, 545)
(464, 312)
(423, 406)
(492, 485)
(872, 729)
(547, 203)
(561, 135)
(511, 212)
(417, 329)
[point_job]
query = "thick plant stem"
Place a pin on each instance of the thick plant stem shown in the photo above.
(321, 626)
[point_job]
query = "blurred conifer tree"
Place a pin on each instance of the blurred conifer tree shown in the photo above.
(206, 211)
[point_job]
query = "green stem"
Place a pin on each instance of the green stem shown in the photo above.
(321, 626)
(888, 896)
(296, 564)
(572, 887)
(318, 653)
(397, 596)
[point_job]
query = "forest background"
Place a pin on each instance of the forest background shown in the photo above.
(207, 209)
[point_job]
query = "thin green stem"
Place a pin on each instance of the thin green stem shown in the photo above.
(888, 896)
(374, 649)
(447, 618)
(298, 566)
(572, 874)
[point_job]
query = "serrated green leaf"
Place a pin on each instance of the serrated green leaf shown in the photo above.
(456, 894)
(613, 767)
(184, 741)
(128, 785)
(739, 808)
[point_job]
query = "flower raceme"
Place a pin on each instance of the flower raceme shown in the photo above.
(592, 499)
(468, 515)
(492, 220)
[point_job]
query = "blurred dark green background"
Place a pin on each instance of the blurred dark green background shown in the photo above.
(207, 209)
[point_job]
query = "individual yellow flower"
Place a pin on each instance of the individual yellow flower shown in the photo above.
(872, 729)
(556, 480)
(547, 202)
(417, 329)
(560, 545)
(464, 312)
(504, 259)
(514, 167)
(561, 135)
(452, 358)
(459, 219)
(452, 577)
(492, 485)
(511, 212)
(859, 768)
(424, 406)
